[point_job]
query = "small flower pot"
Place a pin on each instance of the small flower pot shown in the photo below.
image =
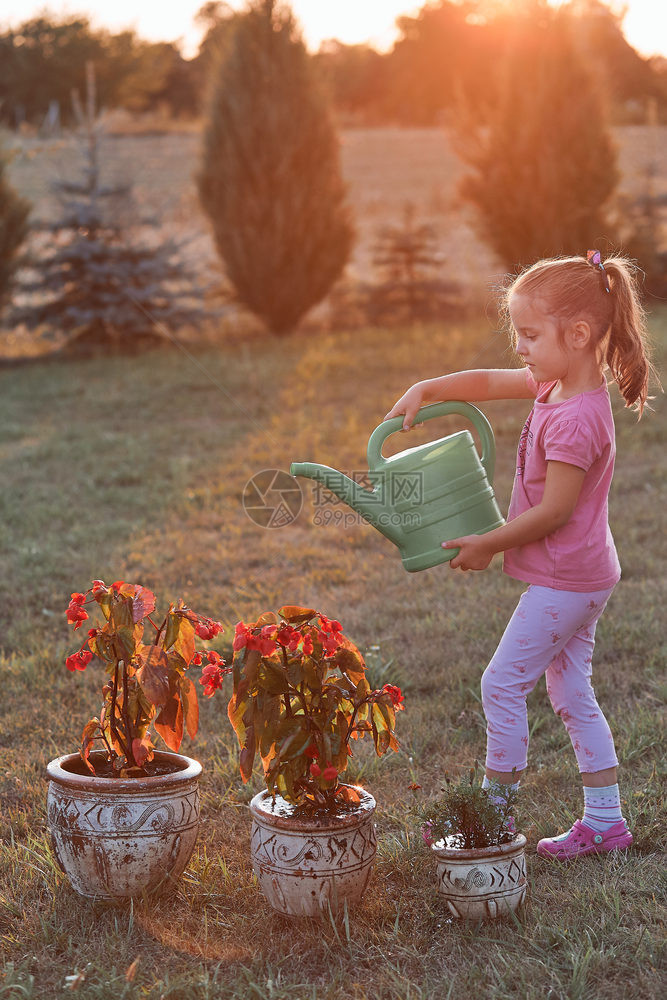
(482, 882)
(116, 838)
(306, 864)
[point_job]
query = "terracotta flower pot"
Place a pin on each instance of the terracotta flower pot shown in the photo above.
(115, 838)
(306, 864)
(484, 881)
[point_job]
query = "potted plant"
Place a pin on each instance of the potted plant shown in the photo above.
(480, 857)
(300, 699)
(123, 815)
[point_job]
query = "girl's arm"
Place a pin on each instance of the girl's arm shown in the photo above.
(480, 384)
(561, 491)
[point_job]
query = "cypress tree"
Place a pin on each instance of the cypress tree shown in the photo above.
(270, 177)
(13, 231)
(543, 164)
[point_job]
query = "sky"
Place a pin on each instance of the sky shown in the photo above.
(350, 21)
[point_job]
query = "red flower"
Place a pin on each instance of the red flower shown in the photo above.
(396, 696)
(316, 770)
(76, 615)
(78, 599)
(286, 635)
(241, 635)
(203, 631)
(212, 627)
(267, 646)
(117, 585)
(78, 661)
(196, 660)
(308, 645)
(329, 773)
(92, 632)
(212, 677)
(312, 751)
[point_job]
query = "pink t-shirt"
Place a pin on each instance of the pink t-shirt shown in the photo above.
(581, 555)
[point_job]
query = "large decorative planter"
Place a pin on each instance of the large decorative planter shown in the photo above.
(115, 838)
(306, 864)
(484, 881)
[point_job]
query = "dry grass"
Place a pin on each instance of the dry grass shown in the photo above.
(135, 468)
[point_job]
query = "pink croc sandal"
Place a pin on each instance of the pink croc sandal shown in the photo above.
(582, 840)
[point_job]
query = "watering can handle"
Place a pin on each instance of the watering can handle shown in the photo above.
(475, 416)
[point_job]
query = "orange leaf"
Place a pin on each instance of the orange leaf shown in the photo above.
(153, 674)
(190, 705)
(296, 615)
(169, 723)
(143, 603)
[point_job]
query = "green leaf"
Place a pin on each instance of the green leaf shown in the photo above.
(126, 638)
(272, 678)
(295, 670)
(121, 612)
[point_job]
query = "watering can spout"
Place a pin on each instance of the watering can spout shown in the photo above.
(369, 504)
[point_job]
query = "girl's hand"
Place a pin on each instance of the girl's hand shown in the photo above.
(409, 404)
(475, 552)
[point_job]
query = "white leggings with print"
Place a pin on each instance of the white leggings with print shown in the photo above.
(551, 632)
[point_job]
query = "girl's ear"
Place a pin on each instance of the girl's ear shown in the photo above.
(580, 335)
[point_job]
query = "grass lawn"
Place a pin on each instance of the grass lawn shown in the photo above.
(135, 469)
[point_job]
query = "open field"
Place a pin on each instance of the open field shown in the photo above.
(134, 469)
(384, 168)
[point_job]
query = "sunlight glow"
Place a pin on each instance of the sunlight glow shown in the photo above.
(351, 21)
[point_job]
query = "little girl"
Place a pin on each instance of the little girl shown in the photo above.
(572, 318)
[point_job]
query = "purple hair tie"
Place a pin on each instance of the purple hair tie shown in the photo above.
(593, 257)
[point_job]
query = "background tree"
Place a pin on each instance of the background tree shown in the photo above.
(97, 277)
(355, 79)
(543, 165)
(13, 230)
(442, 52)
(270, 178)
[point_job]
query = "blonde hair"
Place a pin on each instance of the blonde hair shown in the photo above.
(572, 289)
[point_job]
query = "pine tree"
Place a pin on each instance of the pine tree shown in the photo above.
(96, 277)
(543, 165)
(270, 177)
(13, 231)
(410, 286)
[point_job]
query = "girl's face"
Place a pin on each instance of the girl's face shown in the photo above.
(538, 340)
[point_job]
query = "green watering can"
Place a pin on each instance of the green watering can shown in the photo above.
(425, 495)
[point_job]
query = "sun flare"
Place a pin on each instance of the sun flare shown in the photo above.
(351, 21)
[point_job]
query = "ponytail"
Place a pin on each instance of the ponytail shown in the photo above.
(626, 352)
